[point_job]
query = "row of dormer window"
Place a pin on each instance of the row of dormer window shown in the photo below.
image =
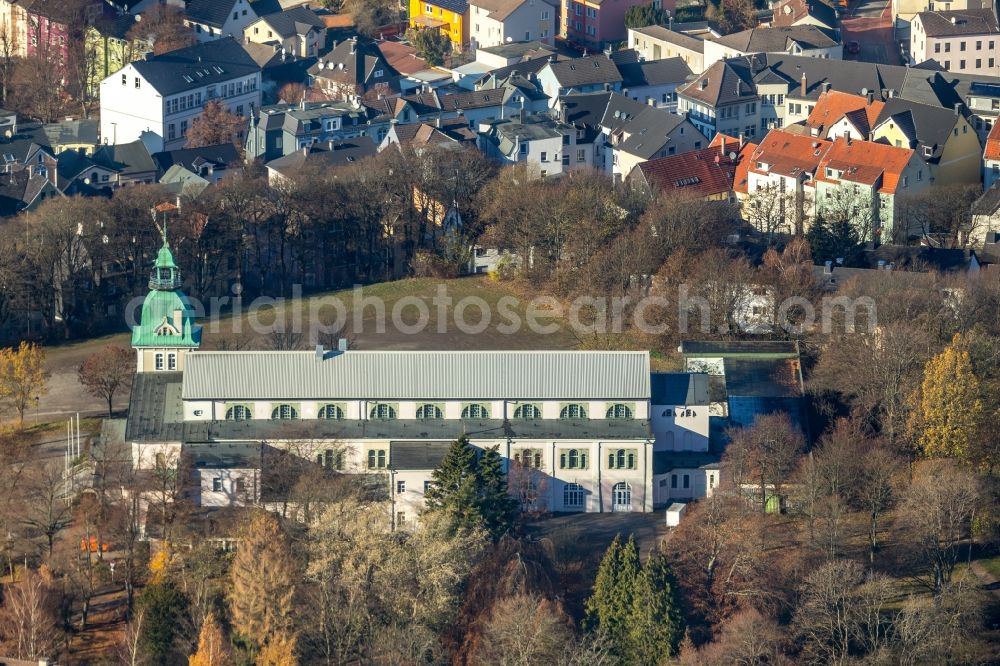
(387, 412)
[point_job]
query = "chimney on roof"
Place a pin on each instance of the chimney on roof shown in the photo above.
(342, 345)
(742, 140)
(954, 20)
(804, 83)
(354, 45)
(305, 150)
(704, 83)
(826, 86)
(319, 352)
(871, 96)
(958, 108)
(739, 87)
(827, 267)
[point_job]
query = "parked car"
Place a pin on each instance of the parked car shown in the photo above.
(853, 48)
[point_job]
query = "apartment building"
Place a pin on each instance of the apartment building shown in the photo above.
(961, 41)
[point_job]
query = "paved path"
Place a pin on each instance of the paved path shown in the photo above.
(869, 23)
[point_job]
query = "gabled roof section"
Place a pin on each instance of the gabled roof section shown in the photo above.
(865, 162)
(196, 66)
(220, 155)
(791, 12)
(402, 57)
(789, 154)
(699, 173)
(329, 154)
(294, 21)
(652, 72)
(959, 22)
(725, 82)
(499, 10)
(673, 37)
(833, 105)
(352, 61)
(209, 12)
(649, 132)
(456, 6)
(929, 126)
(591, 70)
(778, 39)
(125, 158)
(992, 149)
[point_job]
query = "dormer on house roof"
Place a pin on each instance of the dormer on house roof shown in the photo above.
(832, 106)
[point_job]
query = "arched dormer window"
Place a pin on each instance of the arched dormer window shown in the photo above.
(331, 412)
(573, 411)
(238, 413)
(429, 411)
(475, 411)
(284, 413)
(527, 412)
(382, 411)
(619, 411)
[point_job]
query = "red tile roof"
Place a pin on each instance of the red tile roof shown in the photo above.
(699, 173)
(789, 154)
(992, 150)
(402, 57)
(834, 105)
(864, 162)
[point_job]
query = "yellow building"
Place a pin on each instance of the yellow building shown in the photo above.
(449, 16)
(942, 138)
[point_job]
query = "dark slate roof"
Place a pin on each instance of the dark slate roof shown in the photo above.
(673, 37)
(445, 430)
(331, 154)
(340, 64)
(28, 137)
(72, 131)
(678, 388)
(457, 6)
(665, 461)
(778, 39)
(763, 377)
(220, 155)
(226, 455)
(18, 189)
(155, 411)
(294, 21)
(518, 49)
(649, 131)
(585, 109)
(210, 62)
(209, 12)
(912, 258)
(592, 70)
(725, 82)
(525, 68)
(959, 22)
(125, 158)
(929, 126)
(417, 455)
(654, 72)
(738, 347)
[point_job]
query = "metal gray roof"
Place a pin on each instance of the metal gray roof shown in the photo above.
(679, 388)
(404, 375)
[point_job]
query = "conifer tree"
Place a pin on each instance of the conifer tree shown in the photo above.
(609, 608)
(454, 484)
(656, 625)
(214, 648)
(497, 507)
(164, 608)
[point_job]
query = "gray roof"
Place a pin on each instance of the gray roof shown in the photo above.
(225, 455)
(653, 72)
(220, 155)
(125, 158)
(155, 409)
(517, 49)
(929, 126)
(330, 154)
(295, 21)
(779, 39)
(592, 70)
(506, 133)
(209, 12)
(72, 131)
(725, 82)
(959, 22)
(649, 132)
(665, 461)
(204, 64)
(417, 455)
(679, 388)
(673, 37)
(405, 375)
(763, 377)
(989, 202)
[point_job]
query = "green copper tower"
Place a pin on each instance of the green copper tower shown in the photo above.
(166, 330)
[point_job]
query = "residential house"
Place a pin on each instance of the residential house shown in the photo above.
(905, 10)
(107, 169)
(111, 49)
(819, 13)
(991, 158)
(158, 98)
(801, 40)
(784, 166)
(588, 74)
(573, 425)
(209, 162)
(594, 116)
(330, 154)
(985, 223)
(839, 114)
(649, 134)
(709, 173)
(298, 30)
(871, 181)
(278, 68)
(655, 42)
(962, 41)
(597, 23)
(489, 104)
(653, 82)
(24, 190)
(131, 161)
(538, 140)
(497, 22)
(452, 133)
(787, 88)
(943, 138)
(283, 129)
(44, 28)
(449, 16)
(353, 67)
(212, 19)
(72, 135)
(512, 53)
(723, 100)
(401, 109)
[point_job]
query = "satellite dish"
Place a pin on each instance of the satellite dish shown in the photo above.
(864, 91)
(510, 39)
(732, 155)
